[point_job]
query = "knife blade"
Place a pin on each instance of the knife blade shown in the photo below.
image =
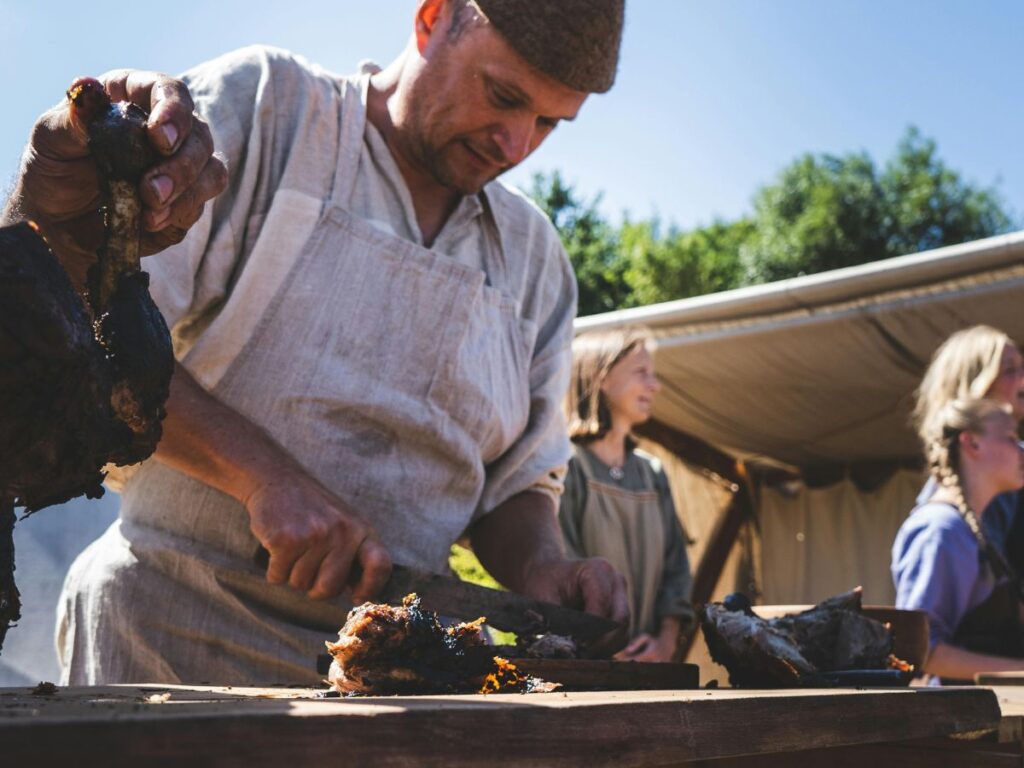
(507, 611)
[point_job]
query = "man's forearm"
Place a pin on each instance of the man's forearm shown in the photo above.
(211, 442)
(518, 535)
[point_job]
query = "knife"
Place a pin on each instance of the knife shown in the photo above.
(507, 611)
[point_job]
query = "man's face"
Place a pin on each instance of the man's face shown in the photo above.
(473, 108)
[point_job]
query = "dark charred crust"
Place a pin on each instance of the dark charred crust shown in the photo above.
(80, 388)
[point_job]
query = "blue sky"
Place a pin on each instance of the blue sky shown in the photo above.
(713, 97)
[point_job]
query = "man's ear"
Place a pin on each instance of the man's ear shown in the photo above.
(428, 15)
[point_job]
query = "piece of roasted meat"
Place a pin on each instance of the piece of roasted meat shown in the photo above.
(834, 636)
(83, 383)
(384, 650)
(128, 323)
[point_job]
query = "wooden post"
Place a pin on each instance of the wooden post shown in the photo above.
(723, 536)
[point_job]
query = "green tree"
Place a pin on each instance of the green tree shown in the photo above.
(592, 244)
(928, 205)
(822, 212)
(681, 264)
(826, 212)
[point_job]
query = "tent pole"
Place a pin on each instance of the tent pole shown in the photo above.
(727, 528)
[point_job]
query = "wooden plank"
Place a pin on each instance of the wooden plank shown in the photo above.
(603, 675)
(124, 726)
(999, 678)
(1011, 705)
(929, 754)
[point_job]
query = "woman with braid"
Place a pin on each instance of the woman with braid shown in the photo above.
(977, 362)
(942, 560)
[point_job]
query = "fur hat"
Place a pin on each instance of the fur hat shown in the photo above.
(574, 41)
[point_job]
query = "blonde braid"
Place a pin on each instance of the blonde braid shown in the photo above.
(943, 455)
(943, 459)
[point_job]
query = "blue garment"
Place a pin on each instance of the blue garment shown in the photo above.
(936, 567)
(998, 516)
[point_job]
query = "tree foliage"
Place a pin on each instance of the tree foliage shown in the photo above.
(821, 212)
(592, 244)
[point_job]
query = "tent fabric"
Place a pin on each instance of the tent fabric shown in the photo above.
(820, 542)
(822, 369)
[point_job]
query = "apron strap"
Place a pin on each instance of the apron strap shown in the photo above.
(352, 108)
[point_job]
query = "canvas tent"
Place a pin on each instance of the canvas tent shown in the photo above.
(809, 382)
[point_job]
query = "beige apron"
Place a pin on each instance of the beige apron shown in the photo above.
(392, 373)
(626, 528)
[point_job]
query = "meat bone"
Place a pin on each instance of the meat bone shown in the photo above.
(507, 611)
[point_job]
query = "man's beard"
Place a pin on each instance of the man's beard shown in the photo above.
(436, 162)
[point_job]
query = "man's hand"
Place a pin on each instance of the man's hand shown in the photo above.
(316, 544)
(58, 186)
(591, 585)
(519, 543)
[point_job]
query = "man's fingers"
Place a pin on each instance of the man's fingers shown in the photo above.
(189, 207)
(604, 593)
(604, 590)
(154, 242)
(376, 564)
(167, 181)
(55, 135)
(333, 574)
(171, 116)
(304, 571)
(61, 189)
(279, 568)
(166, 99)
(620, 602)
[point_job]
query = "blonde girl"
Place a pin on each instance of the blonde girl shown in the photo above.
(942, 560)
(617, 504)
(973, 363)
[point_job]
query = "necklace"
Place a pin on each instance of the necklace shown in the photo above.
(616, 473)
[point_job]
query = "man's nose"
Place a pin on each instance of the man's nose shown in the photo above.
(515, 139)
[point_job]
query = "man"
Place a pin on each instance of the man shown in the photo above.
(373, 339)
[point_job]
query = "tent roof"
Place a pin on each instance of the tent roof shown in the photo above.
(822, 369)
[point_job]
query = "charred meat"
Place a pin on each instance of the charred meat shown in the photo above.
(792, 650)
(385, 650)
(83, 383)
(128, 323)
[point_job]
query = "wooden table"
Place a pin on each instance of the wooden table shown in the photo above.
(250, 727)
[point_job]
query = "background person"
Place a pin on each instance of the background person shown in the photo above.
(942, 561)
(617, 503)
(977, 362)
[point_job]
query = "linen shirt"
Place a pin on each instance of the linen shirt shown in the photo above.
(273, 118)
